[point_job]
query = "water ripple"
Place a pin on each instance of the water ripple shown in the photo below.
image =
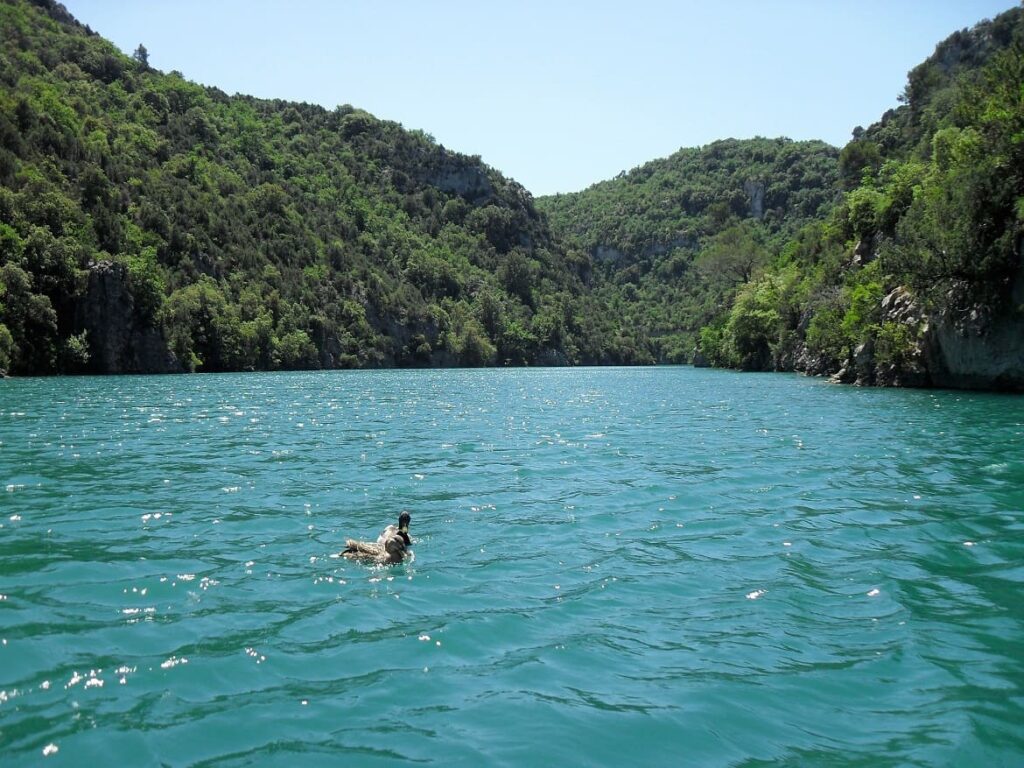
(609, 564)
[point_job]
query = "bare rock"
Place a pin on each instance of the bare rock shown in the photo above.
(120, 339)
(755, 192)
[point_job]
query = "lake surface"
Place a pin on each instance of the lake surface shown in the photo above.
(660, 566)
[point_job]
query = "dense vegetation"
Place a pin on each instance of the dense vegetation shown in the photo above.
(926, 223)
(240, 233)
(674, 238)
(149, 223)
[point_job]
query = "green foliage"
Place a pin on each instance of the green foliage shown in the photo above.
(295, 350)
(147, 282)
(963, 226)
(826, 337)
(7, 348)
(674, 239)
(733, 256)
(698, 192)
(752, 330)
(472, 345)
(934, 204)
(201, 327)
(859, 157)
(260, 234)
(75, 353)
(517, 344)
(894, 344)
(30, 320)
(864, 305)
(864, 207)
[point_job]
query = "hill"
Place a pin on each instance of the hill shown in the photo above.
(148, 223)
(905, 268)
(674, 237)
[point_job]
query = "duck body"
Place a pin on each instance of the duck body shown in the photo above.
(401, 530)
(391, 551)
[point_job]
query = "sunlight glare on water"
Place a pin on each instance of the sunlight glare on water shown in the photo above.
(636, 566)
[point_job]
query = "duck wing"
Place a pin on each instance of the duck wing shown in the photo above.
(363, 549)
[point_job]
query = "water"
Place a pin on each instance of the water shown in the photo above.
(618, 566)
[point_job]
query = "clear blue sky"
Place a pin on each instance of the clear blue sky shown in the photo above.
(557, 94)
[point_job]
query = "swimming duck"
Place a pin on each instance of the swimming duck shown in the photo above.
(391, 551)
(402, 530)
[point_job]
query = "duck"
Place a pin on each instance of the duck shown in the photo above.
(391, 551)
(401, 530)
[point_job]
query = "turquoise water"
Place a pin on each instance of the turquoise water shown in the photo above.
(612, 566)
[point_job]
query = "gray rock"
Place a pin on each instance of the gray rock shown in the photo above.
(606, 253)
(755, 191)
(864, 363)
(468, 181)
(120, 341)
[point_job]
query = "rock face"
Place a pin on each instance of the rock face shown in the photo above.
(119, 340)
(607, 253)
(967, 348)
(465, 179)
(972, 350)
(755, 191)
(972, 347)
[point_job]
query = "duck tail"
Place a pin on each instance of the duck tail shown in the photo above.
(362, 548)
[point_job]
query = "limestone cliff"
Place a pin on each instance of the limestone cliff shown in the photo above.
(968, 346)
(977, 347)
(119, 341)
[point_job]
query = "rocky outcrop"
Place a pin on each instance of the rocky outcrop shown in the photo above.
(679, 241)
(755, 192)
(552, 358)
(610, 254)
(120, 341)
(972, 347)
(466, 180)
(975, 348)
(866, 250)
(605, 254)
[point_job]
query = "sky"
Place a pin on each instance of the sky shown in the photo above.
(557, 94)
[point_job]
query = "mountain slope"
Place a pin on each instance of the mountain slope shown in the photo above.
(899, 262)
(916, 276)
(679, 199)
(148, 223)
(674, 237)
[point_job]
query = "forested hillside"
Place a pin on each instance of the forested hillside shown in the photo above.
(915, 277)
(148, 223)
(673, 238)
(909, 273)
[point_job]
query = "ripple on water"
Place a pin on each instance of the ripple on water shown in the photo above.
(609, 563)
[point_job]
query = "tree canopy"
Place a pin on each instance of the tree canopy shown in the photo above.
(243, 233)
(151, 223)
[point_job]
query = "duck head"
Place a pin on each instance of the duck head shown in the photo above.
(403, 526)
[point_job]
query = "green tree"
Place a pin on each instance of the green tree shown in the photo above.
(754, 324)
(7, 348)
(295, 350)
(141, 55)
(733, 256)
